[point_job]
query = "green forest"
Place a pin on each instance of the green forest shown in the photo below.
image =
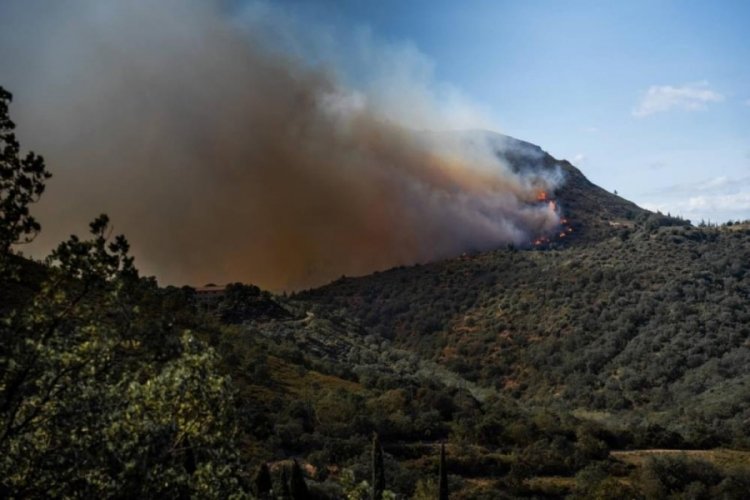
(613, 363)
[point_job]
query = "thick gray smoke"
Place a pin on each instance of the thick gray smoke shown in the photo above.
(223, 156)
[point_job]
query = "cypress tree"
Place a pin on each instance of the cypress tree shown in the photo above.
(285, 494)
(378, 472)
(263, 482)
(443, 484)
(297, 486)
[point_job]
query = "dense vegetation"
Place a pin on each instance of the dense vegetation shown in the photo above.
(650, 326)
(516, 373)
(104, 391)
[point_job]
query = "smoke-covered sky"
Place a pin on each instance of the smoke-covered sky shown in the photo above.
(648, 97)
(253, 142)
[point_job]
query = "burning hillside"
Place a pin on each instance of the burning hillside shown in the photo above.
(564, 228)
(251, 163)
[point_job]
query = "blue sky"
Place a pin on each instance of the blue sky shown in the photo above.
(649, 98)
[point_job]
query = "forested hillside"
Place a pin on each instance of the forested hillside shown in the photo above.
(533, 364)
(644, 318)
(648, 325)
(564, 368)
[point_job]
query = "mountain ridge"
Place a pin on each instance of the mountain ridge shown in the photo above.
(591, 304)
(591, 210)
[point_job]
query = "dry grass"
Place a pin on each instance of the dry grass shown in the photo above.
(299, 382)
(722, 458)
(551, 485)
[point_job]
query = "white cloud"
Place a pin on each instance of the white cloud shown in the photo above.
(657, 165)
(712, 186)
(716, 199)
(579, 159)
(690, 97)
(716, 183)
(723, 202)
(715, 208)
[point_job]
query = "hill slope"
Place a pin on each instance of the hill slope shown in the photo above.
(630, 332)
(639, 317)
(591, 211)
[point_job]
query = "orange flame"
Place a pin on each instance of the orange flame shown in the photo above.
(564, 227)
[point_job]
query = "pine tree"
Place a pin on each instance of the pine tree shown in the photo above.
(378, 474)
(443, 484)
(21, 183)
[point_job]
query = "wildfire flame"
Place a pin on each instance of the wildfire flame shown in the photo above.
(565, 227)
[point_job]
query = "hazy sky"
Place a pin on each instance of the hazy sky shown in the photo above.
(254, 141)
(285, 129)
(650, 98)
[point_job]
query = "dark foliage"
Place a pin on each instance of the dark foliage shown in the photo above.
(263, 481)
(22, 182)
(242, 303)
(652, 325)
(103, 391)
(443, 492)
(378, 471)
(297, 486)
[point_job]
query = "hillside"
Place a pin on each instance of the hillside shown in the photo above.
(592, 212)
(639, 318)
(636, 325)
(588, 212)
(647, 321)
(632, 331)
(613, 359)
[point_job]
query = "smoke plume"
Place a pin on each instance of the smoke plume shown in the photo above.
(224, 153)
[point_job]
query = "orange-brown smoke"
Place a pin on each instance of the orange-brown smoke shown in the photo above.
(223, 159)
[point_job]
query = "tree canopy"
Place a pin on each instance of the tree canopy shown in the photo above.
(104, 392)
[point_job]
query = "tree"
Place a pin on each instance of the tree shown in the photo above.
(21, 183)
(443, 483)
(263, 482)
(297, 486)
(101, 394)
(247, 302)
(378, 472)
(92, 405)
(284, 492)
